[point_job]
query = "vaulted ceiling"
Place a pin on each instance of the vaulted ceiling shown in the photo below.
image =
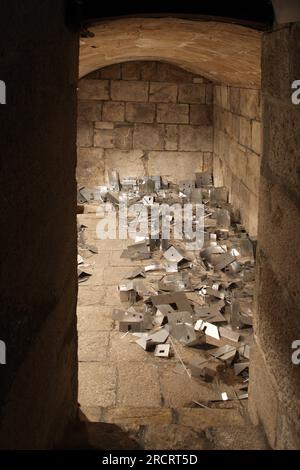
(223, 52)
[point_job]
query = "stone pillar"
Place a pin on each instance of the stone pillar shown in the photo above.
(38, 282)
(275, 380)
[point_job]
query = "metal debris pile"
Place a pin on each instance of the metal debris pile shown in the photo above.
(85, 250)
(200, 298)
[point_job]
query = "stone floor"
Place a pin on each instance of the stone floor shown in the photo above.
(121, 384)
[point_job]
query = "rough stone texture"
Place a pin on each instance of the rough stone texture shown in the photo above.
(207, 48)
(163, 92)
(275, 384)
(144, 116)
(173, 113)
(140, 112)
(90, 165)
(237, 149)
(112, 111)
(93, 90)
(129, 91)
(193, 138)
(148, 137)
(38, 393)
(191, 93)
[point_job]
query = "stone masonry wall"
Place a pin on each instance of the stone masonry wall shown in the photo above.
(237, 149)
(274, 379)
(143, 118)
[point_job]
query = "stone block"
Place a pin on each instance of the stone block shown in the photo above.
(89, 110)
(191, 93)
(97, 384)
(128, 163)
(281, 138)
(237, 161)
(148, 136)
(122, 90)
(173, 436)
(93, 89)
(134, 392)
(245, 132)
(217, 95)
(235, 131)
(207, 160)
(173, 113)
(276, 50)
(195, 138)
(250, 103)
(113, 111)
(175, 165)
(162, 92)
(253, 172)
(140, 416)
(84, 134)
(234, 98)
(103, 138)
(225, 101)
(104, 125)
(171, 73)
(279, 229)
(112, 72)
(93, 317)
(201, 114)
(256, 134)
(203, 418)
(148, 70)
(209, 93)
(171, 137)
(92, 345)
(90, 166)
(131, 71)
(122, 137)
(140, 112)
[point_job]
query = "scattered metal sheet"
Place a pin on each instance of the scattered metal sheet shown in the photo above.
(113, 180)
(186, 186)
(177, 299)
(208, 328)
(224, 261)
(162, 350)
(239, 367)
(229, 334)
(138, 272)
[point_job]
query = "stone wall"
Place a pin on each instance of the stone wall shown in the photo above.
(38, 392)
(143, 118)
(237, 149)
(274, 379)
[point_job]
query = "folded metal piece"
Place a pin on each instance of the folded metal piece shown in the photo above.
(186, 186)
(177, 299)
(239, 367)
(113, 180)
(227, 333)
(136, 273)
(224, 261)
(176, 317)
(202, 370)
(162, 350)
(185, 334)
(208, 328)
(224, 353)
